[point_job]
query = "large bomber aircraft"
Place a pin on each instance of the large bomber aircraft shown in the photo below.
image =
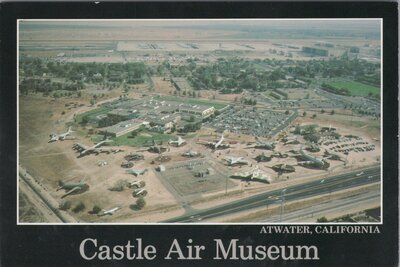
(312, 162)
(178, 142)
(254, 175)
(219, 144)
(236, 161)
(84, 150)
(263, 145)
(55, 137)
(71, 187)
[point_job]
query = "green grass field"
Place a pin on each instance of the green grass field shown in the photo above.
(356, 88)
(215, 104)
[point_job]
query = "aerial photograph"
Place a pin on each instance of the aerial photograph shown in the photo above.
(199, 121)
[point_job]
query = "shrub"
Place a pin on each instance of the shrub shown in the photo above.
(79, 207)
(66, 205)
(140, 203)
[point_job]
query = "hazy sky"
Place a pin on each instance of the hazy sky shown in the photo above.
(368, 24)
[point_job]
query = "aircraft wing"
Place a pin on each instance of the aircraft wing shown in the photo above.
(80, 147)
(76, 188)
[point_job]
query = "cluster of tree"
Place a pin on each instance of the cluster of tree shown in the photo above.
(46, 86)
(249, 101)
(109, 120)
(132, 73)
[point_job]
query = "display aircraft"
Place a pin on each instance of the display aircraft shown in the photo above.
(313, 147)
(136, 172)
(191, 154)
(85, 150)
(109, 212)
(333, 156)
(73, 187)
(312, 162)
(291, 140)
(178, 142)
(283, 168)
(217, 145)
(263, 145)
(328, 129)
(236, 161)
(254, 175)
(60, 137)
(137, 184)
(139, 192)
(263, 158)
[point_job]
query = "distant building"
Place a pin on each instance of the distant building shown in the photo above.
(199, 110)
(315, 51)
(122, 128)
(123, 114)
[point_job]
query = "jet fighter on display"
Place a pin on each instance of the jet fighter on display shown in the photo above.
(178, 142)
(283, 168)
(263, 158)
(109, 212)
(191, 154)
(61, 137)
(290, 140)
(236, 161)
(136, 172)
(263, 145)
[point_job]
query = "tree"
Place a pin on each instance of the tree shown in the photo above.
(96, 209)
(322, 219)
(287, 112)
(314, 116)
(140, 203)
(304, 114)
(332, 112)
(79, 207)
(66, 205)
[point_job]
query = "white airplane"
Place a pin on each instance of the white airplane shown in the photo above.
(139, 192)
(219, 144)
(236, 161)
(84, 150)
(359, 174)
(55, 137)
(190, 154)
(137, 184)
(136, 172)
(178, 142)
(110, 211)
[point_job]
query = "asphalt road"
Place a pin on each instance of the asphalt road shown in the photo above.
(291, 193)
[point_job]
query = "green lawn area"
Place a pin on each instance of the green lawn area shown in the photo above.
(142, 139)
(215, 104)
(356, 88)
